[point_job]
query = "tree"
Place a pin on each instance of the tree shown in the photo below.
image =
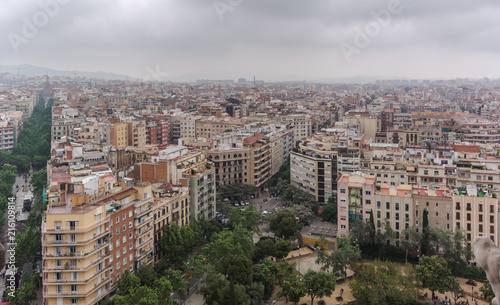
(249, 218)
(319, 284)
(236, 242)
(433, 273)
(426, 233)
(329, 212)
(338, 261)
(265, 273)
(411, 240)
(283, 271)
(265, 247)
(163, 289)
(196, 266)
(284, 224)
(127, 283)
(487, 291)
(237, 268)
(213, 284)
(452, 246)
(147, 275)
(173, 245)
(322, 242)
(255, 292)
(385, 283)
(26, 293)
(140, 295)
(232, 294)
(456, 291)
(283, 247)
(294, 289)
(28, 246)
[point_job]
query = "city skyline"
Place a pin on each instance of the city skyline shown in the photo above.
(314, 41)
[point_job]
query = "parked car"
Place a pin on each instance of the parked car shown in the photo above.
(265, 200)
(247, 203)
(471, 282)
(236, 204)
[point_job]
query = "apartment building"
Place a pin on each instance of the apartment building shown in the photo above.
(260, 154)
(64, 127)
(476, 212)
(136, 133)
(394, 204)
(119, 135)
(231, 164)
(201, 184)
(75, 251)
(188, 126)
(318, 161)
(302, 124)
(178, 166)
(356, 199)
(209, 128)
(166, 199)
(8, 134)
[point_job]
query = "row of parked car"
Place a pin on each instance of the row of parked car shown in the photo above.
(241, 203)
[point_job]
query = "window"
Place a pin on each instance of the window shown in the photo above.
(124, 216)
(492, 219)
(368, 192)
(117, 231)
(130, 246)
(437, 214)
(387, 205)
(436, 173)
(437, 204)
(130, 224)
(57, 225)
(124, 250)
(342, 191)
(378, 214)
(117, 219)
(468, 217)
(480, 218)
(480, 228)
(480, 207)
(378, 205)
(124, 228)
(492, 208)
(129, 213)
(458, 215)
(368, 202)
(130, 235)
(468, 227)
(74, 288)
(117, 243)
(74, 301)
(118, 265)
(124, 239)
(492, 229)
(388, 215)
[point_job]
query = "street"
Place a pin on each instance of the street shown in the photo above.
(20, 193)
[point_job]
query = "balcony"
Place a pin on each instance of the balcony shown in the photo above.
(76, 242)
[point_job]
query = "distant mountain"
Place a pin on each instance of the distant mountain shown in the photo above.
(29, 70)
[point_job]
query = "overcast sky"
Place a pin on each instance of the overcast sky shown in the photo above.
(273, 40)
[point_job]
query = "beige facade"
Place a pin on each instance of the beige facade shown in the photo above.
(136, 133)
(119, 135)
(476, 216)
(75, 251)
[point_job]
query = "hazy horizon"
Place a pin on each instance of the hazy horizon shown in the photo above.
(274, 41)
